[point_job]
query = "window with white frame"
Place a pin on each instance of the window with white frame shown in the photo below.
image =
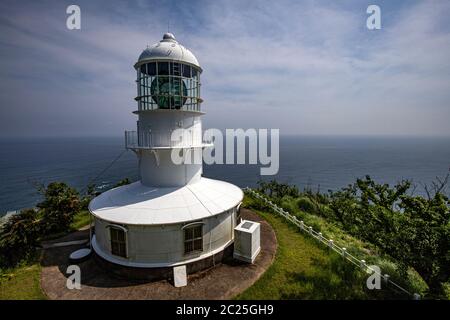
(118, 241)
(193, 238)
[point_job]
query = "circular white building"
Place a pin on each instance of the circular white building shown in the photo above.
(173, 216)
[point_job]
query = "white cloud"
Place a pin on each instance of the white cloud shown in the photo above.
(305, 67)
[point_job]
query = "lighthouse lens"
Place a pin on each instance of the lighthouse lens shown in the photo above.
(168, 85)
(168, 92)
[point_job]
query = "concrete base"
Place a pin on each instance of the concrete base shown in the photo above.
(224, 281)
(237, 256)
(164, 272)
(179, 276)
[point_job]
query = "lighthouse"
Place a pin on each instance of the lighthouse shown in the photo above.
(172, 216)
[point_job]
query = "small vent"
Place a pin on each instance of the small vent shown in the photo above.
(247, 225)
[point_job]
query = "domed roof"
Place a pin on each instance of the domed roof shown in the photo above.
(168, 49)
(138, 204)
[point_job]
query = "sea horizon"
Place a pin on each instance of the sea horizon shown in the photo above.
(319, 162)
(325, 135)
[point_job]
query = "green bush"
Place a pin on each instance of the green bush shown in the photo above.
(60, 205)
(19, 237)
(306, 204)
(122, 182)
(413, 230)
(288, 204)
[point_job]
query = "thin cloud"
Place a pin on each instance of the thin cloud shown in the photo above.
(305, 67)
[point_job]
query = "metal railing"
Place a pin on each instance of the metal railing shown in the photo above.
(342, 251)
(162, 139)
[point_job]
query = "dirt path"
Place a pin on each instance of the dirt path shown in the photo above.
(224, 281)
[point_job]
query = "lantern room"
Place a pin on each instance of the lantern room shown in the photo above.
(168, 77)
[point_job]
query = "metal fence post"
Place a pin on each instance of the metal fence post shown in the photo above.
(343, 251)
(331, 243)
(362, 264)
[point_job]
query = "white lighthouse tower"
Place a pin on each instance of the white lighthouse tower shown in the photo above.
(173, 216)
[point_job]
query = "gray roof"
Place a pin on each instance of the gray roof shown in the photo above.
(168, 49)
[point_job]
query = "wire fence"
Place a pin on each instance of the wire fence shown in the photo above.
(342, 251)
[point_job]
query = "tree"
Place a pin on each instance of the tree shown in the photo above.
(277, 190)
(412, 229)
(19, 237)
(426, 233)
(60, 204)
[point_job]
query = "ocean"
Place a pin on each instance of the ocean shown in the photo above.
(321, 163)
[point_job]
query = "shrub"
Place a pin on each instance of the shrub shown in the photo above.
(288, 204)
(122, 182)
(414, 230)
(60, 205)
(91, 193)
(19, 237)
(306, 204)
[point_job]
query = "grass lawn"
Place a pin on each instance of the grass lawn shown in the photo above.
(22, 282)
(304, 269)
(80, 220)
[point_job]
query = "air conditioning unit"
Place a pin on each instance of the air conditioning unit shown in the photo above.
(247, 241)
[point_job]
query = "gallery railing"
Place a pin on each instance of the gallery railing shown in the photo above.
(163, 139)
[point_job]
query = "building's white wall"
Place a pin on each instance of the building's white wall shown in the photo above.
(102, 235)
(158, 169)
(163, 123)
(165, 244)
(221, 229)
(156, 166)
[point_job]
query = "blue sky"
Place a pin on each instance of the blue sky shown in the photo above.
(306, 67)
